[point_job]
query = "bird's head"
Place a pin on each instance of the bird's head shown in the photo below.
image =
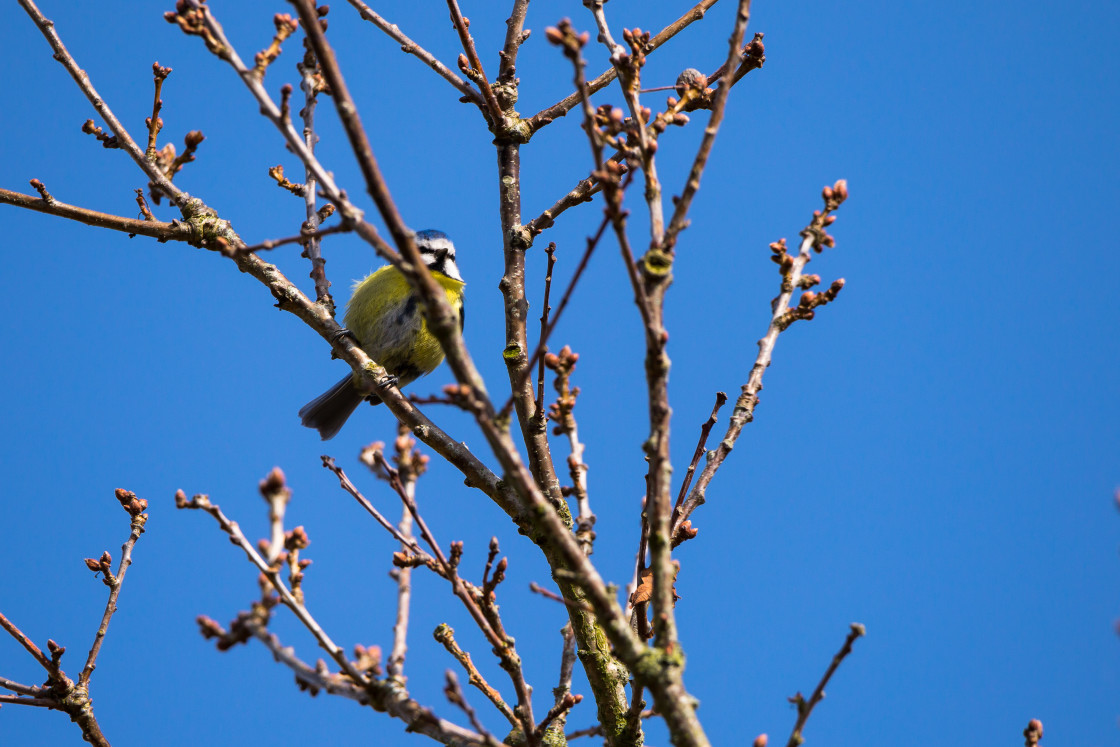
(438, 253)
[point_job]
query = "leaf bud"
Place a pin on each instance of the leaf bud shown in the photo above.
(690, 78)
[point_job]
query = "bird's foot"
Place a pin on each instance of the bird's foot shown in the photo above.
(343, 332)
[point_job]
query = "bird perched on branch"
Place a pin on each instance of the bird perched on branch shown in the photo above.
(384, 315)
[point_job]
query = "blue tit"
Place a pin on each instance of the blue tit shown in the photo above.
(384, 315)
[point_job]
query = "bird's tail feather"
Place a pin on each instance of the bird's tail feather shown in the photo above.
(328, 412)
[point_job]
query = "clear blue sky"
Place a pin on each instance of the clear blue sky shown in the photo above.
(934, 456)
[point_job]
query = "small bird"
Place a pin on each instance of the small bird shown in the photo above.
(384, 315)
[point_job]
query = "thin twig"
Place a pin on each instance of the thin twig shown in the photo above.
(705, 429)
(656, 272)
(747, 62)
(639, 567)
(131, 504)
(692, 185)
(542, 346)
(22, 700)
(792, 268)
(805, 707)
(637, 707)
(155, 123)
(446, 636)
(541, 476)
(629, 69)
(301, 238)
(349, 487)
(597, 730)
(24, 641)
(142, 203)
(395, 666)
(491, 555)
(456, 697)
(557, 717)
(562, 413)
(408, 46)
(550, 252)
(276, 493)
(557, 714)
(411, 467)
(538, 589)
(582, 192)
(477, 74)
(567, 662)
(311, 83)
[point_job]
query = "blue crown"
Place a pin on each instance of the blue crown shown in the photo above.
(430, 235)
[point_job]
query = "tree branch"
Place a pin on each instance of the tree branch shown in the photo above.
(565, 105)
(383, 695)
(515, 37)
(174, 231)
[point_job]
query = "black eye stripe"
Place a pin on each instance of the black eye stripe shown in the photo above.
(436, 253)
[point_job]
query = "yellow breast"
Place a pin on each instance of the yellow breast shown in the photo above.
(384, 314)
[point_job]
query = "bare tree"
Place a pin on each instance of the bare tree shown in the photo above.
(626, 648)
